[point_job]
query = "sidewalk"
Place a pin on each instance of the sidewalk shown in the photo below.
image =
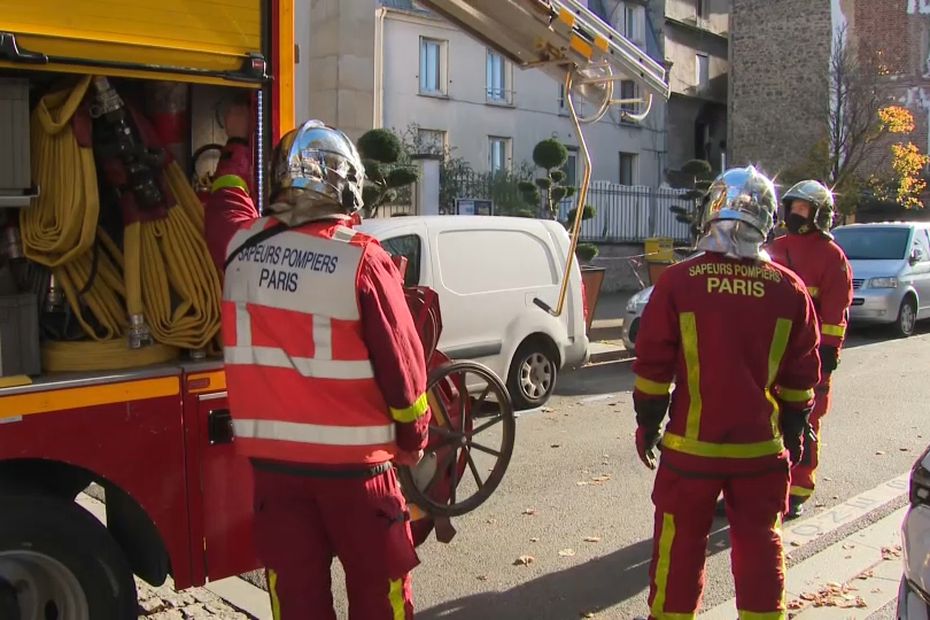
(605, 335)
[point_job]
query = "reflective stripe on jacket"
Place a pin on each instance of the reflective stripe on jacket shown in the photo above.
(738, 338)
(301, 381)
(823, 267)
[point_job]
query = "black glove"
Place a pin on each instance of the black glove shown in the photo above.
(794, 427)
(829, 359)
(649, 415)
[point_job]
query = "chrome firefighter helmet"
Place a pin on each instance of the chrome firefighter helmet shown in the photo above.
(823, 206)
(317, 162)
(738, 213)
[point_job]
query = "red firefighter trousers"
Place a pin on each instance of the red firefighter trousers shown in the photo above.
(804, 475)
(685, 508)
(303, 521)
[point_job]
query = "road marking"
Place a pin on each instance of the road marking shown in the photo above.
(806, 530)
(847, 558)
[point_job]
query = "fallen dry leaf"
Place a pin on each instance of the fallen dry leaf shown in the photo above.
(566, 553)
(582, 483)
(491, 521)
(601, 478)
(836, 595)
(587, 614)
(592, 539)
(534, 539)
(529, 511)
(819, 504)
(482, 577)
(547, 409)
(891, 553)
(865, 575)
(524, 560)
(903, 449)
(795, 543)
(556, 445)
(827, 479)
(879, 452)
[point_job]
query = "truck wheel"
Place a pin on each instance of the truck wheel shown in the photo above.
(57, 562)
(532, 375)
(907, 318)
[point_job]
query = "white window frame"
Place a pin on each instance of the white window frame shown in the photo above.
(700, 84)
(441, 67)
(634, 165)
(634, 22)
(506, 155)
(498, 93)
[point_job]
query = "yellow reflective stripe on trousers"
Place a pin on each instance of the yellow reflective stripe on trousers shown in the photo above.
(229, 181)
(689, 339)
(794, 396)
(801, 491)
(813, 291)
(413, 412)
(695, 447)
(663, 564)
(396, 596)
(776, 353)
(273, 593)
(833, 330)
(653, 388)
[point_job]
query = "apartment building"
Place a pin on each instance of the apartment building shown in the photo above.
(393, 64)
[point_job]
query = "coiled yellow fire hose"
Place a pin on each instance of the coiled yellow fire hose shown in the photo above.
(166, 273)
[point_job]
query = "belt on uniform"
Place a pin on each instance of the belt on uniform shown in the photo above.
(299, 469)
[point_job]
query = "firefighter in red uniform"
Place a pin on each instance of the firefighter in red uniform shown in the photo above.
(738, 337)
(809, 251)
(325, 372)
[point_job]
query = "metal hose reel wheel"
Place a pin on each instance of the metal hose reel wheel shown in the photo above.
(462, 466)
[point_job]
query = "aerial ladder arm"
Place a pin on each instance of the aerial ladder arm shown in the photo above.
(570, 43)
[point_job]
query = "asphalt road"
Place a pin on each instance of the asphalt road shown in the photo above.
(575, 476)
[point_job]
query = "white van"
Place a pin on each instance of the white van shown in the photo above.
(487, 272)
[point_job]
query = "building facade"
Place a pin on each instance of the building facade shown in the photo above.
(694, 39)
(780, 70)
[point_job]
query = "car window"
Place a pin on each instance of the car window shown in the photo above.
(409, 247)
(873, 243)
(481, 261)
(922, 243)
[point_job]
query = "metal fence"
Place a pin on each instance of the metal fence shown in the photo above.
(631, 213)
(623, 213)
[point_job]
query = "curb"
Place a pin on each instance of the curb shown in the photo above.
(612, 355)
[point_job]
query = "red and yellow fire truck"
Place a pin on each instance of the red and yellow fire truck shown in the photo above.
(106, 108)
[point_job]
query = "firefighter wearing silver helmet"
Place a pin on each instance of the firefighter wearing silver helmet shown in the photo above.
(326, 375)
(736, 334)
(809, 250)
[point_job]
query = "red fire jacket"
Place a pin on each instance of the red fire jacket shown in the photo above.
(388, 330)
(739, 340)
(823, 267)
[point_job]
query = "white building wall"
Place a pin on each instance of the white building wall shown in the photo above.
(469, 120)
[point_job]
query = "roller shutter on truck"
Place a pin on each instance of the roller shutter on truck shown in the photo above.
(209, 41)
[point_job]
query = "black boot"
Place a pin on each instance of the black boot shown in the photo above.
(795, 507)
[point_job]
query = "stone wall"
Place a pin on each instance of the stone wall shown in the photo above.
(779, 63)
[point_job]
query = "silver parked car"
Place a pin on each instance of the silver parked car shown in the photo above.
(891, 272)
(914, 593)
(631, 317)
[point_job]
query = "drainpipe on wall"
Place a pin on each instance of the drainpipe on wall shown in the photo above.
(378, 107)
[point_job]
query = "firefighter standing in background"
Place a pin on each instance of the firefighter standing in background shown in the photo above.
(738, 336)
(325, 371)
(809, 251)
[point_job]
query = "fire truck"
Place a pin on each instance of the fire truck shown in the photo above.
(111, 376)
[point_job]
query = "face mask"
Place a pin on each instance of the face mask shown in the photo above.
(797, 224)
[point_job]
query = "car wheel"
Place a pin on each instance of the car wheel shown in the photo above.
(907, 318)
(58, 561)
(532, 375)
